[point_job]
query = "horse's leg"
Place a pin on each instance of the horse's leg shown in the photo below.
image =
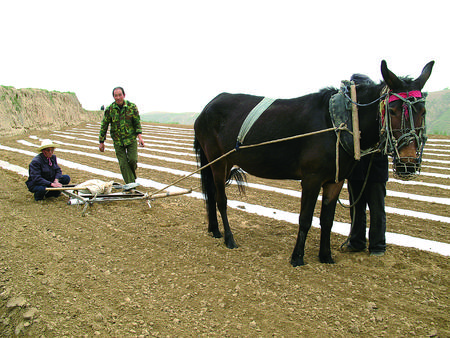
(221, 199)
(222, 206)
(310, 192)
(329, 199)
(209, 190)
(213, 223)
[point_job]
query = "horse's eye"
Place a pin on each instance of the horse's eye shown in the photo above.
(423, 110)
(420, 109)
(391, 112)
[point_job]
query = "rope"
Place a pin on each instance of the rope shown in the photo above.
(352, 205)
(365, 104)
(194, 172)
(362, 189)
(341, 127)
(336, 179)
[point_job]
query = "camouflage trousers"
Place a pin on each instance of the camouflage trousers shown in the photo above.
(127, 157)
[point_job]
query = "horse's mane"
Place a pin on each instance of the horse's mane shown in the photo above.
(326, 94)
(367, 88)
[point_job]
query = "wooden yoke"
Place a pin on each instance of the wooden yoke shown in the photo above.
(355, 122)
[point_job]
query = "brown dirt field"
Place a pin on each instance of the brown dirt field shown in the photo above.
(127, 270)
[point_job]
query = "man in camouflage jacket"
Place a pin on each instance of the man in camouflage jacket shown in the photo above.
(123, 116)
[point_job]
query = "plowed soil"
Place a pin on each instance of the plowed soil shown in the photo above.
(127, 270)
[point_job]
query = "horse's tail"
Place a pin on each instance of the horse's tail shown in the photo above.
(239, 176)
(208, 187)
(207, 180)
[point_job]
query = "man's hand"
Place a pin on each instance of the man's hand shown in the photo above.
(101, 147)
(56, 184)
(141, 141)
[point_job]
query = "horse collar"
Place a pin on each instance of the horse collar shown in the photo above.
(340, 110)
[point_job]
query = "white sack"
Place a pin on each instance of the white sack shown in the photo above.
(95, 187)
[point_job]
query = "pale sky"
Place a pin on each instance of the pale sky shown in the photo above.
(177, 55)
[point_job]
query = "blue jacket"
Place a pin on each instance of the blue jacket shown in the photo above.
(41, 173)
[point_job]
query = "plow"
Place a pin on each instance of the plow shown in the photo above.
(97, 191)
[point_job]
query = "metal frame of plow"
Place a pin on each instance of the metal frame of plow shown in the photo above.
(86, 199)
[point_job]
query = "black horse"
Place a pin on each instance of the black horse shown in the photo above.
(310, 159)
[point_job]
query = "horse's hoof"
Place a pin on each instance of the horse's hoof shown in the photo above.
(216, 234)
(230, 243)
(326, 259)
(297, 262)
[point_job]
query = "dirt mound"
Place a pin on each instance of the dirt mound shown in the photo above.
(37, 109)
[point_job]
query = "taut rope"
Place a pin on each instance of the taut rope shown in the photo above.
(340, 128)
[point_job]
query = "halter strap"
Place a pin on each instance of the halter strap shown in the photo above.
(399, 96)
(404, 96)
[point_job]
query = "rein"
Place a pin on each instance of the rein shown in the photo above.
(364, 104)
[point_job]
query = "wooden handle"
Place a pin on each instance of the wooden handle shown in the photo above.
(355, 122)
(167, 194)
(64, 188)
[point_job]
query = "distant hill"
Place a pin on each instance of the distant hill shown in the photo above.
(27, 109)
(438, 114)
(177, 118)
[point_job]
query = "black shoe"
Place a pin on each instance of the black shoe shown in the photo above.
(377, 253)
(130, 186)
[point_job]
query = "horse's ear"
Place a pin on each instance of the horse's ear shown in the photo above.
(426, 72)
(390, 78)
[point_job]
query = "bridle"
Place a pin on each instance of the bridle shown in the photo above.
(404, 168)
(388, 144)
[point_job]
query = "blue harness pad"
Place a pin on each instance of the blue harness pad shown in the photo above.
(255, 113)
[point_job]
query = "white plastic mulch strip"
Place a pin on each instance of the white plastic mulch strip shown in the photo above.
(338, 227)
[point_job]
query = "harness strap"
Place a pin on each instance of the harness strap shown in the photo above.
(251, 118)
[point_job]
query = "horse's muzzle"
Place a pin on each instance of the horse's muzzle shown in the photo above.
(406, 168)
(408, 164)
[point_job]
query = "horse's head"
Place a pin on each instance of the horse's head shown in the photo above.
(403, 118)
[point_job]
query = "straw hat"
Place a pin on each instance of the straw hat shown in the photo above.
(47, 144)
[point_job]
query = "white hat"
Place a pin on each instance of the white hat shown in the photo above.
(47, 144)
